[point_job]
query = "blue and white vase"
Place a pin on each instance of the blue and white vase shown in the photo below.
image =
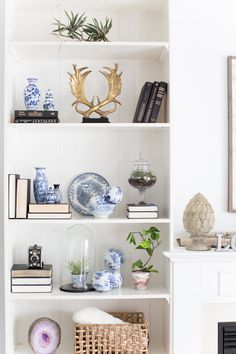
(103, 281)
(31, 95)
(40, 185)
(51, 196)
(114, 258)
(57, 193)
(49, 101)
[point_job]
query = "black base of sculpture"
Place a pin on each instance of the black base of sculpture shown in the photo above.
(70, 289)
(95, 120)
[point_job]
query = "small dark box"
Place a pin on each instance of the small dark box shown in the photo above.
(35, 257)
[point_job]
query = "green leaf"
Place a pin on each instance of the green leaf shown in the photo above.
(145, 244)
(138, 264)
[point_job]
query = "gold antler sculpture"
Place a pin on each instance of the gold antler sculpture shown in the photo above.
(77, 84)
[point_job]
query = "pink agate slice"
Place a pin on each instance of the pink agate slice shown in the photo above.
(44, 336)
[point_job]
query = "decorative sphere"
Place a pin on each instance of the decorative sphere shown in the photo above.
(114, 258)
(103, 281)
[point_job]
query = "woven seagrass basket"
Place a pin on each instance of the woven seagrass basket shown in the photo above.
(127, 338)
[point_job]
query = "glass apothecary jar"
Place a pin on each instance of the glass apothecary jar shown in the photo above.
(78, 253)
(142, 177)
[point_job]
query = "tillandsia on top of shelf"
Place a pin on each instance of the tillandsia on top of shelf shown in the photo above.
(78, 267)
(149, 241)
(77, 28)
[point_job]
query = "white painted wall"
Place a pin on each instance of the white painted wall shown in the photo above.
(2, 345)
(203, 34)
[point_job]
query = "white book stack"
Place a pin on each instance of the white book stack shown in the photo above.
(142, 211)
(25, 280)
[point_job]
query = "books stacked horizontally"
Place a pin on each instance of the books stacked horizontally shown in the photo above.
(18, 196)
(49, 211)
(25, 280)
(139, 211)
(151, 107)
(36, 117)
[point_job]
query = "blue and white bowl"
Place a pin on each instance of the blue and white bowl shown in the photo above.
(99, 208)
(103, 281)
(114, 258)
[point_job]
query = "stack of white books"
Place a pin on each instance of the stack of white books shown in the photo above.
(142, 211)
(49, 211)
(25, 280)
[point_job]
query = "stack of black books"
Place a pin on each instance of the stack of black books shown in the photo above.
(142, 211)
(22, 116)
(151, 104)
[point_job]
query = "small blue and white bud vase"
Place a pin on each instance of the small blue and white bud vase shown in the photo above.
(31, 95)
(40, 185)
(57, 193)
(49, 101)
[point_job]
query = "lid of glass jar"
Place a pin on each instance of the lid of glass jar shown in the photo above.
(141, 163)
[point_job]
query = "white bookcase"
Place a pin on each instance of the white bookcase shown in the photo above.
(140, 45)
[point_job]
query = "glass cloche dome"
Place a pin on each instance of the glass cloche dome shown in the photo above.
(78, 254)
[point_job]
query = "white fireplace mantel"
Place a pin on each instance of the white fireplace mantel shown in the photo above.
(198, 278)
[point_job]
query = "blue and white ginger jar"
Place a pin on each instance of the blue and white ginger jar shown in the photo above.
(104, 281)
(31, 94)
(114, 258)
(49, 101)
(40, 185)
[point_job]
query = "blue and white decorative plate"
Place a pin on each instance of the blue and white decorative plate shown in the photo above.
(83, 188)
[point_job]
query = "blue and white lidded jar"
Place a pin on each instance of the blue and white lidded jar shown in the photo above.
(40, 185)
(114, 258)
(31, 94)
(49, 101)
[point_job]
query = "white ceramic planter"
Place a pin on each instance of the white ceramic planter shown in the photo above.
(140, 280)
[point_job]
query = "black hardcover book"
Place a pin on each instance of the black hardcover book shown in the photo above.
(162, 89)
(36, 114)
(151, 102)
(36, 120)
(142, 102)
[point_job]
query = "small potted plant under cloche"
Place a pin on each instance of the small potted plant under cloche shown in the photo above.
(79, 273)
(147, 240)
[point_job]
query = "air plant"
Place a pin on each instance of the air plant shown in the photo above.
(77, 28)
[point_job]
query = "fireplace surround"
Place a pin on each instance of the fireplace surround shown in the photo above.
(227, 338)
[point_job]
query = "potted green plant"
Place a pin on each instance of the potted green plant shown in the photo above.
(79, 273)
(147, 240)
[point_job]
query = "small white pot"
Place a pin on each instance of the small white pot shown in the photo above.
(140, 280)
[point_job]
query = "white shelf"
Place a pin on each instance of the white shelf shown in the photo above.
(25, 349)
(99, 126)
(90, 5)
(85, 50)
(158, 292)
(91, 220)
